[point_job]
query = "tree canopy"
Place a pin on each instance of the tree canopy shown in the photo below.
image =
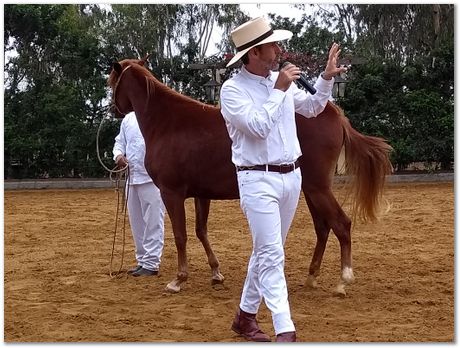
(57, 59)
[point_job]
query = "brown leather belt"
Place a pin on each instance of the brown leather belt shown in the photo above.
(282, 168)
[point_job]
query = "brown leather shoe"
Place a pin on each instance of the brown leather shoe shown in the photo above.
(286, 337)
(245, 324)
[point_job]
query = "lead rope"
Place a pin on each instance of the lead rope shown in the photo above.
(120, 175)
(124, 193)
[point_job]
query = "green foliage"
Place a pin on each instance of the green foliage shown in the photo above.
(432, 125)
(54, 91)
(404, 90)
(57, 59)
(405, 107)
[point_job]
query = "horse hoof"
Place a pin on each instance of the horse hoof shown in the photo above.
(217, 279)
(216, 282)
(340, 291)
(311, 281)
(173, 288)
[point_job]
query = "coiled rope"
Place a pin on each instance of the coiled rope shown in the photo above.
(116, 176)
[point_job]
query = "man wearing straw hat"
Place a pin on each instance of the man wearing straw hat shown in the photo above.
(259, 107)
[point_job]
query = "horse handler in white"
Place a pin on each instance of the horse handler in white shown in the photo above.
(259, 107)
(145, 206)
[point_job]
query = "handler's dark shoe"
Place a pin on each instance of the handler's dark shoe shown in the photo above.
(135, 269)
(144, 272)
(286, 337)
(245, 324)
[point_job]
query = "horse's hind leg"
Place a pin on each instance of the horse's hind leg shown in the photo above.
(327, 214)
(201, 230)
(322, 235)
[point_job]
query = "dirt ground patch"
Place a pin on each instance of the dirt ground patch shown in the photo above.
(57, 247)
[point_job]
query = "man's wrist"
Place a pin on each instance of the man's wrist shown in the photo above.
(326, 76)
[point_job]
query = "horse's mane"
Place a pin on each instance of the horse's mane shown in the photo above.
(161, 88)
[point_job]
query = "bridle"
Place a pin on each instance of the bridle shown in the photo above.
(115, 91)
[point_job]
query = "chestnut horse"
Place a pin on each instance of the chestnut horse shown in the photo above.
(188, 154)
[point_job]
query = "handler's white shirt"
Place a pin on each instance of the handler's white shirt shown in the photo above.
(261, 120)
(130, 142)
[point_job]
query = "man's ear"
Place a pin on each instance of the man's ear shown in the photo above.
(117, 67)
(253, 52)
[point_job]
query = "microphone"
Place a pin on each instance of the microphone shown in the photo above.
(302, 81)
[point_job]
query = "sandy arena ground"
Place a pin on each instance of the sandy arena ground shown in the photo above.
(57, 286)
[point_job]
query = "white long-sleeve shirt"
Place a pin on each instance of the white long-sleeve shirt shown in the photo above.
(261, 120)
(130, 143)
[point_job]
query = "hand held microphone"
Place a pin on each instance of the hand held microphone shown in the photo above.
(302, 81)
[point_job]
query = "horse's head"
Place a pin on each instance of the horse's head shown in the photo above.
(121, 104)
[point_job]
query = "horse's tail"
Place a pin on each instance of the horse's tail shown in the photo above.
(367, 163)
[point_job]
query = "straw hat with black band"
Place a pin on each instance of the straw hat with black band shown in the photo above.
(255, 32)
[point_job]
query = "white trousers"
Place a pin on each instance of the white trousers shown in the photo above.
(269, 201)
(146, 217)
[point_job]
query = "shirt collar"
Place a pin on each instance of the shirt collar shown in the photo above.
(254, 77)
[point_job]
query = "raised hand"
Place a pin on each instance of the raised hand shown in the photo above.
(331, 68)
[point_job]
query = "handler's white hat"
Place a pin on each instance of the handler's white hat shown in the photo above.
(255, 32)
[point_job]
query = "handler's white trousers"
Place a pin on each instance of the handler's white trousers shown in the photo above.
(269, 201)
(146, 217)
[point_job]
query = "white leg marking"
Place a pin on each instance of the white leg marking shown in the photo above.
(347, 275)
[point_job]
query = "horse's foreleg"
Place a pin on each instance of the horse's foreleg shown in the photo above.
(201, 230)
(176, 211)
(327, 209)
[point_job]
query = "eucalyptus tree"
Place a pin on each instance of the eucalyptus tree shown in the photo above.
(310, 43)
(135, 30)
(52, 82)
(57, 59)
(175, 35)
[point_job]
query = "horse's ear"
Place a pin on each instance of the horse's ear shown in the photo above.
(144, 60)
(117, 67)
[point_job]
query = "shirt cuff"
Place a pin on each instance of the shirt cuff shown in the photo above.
(116, 154)
(324, 84)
